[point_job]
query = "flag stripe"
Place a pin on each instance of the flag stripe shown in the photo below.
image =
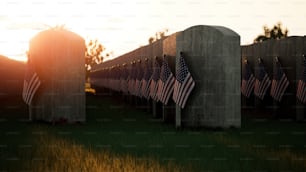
(168, 89)
(248, 80)
(148, 89)
(30, 86)
(34, 89)
(186, 88)
(301, 88)
(279, 83)
(166, 81)
(302, 91)
(183, 85)
(282, 87)
(262, 81)
(175, 90)
(303, 97)
(264, 85)
(187, 83)
(159, 89)
(154, 81)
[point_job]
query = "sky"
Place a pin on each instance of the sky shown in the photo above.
(124, 25)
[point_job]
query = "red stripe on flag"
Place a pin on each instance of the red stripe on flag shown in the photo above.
(30, 87)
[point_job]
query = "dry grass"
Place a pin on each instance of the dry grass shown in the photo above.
(54, 154)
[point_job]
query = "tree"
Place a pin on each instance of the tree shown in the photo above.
(93, 54)
(58, 27)
(276, 32)
(158, 35)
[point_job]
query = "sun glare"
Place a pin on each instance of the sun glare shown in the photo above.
(14, 51)
(21, 58)
(123, 26)
(15, 42)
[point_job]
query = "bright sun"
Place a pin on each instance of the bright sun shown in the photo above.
(13, 51)
(122, 26)
(15, 42)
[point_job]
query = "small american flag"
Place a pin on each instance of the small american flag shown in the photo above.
(301, 87)
(30, 85)
(159, 85)
(138, 82)
(123, 79)
(131, 81)
(262, 81)
(145, 86)
(166, 82)
(154, 81)
(248, 80)
(279, 82)
(183, 85)
(110, 78)
(117, 78)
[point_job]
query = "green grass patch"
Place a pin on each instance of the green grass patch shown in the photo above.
(119, 136)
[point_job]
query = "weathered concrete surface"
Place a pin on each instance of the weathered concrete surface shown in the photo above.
(212, 54)
(289, 52)
(58, 58)
(213, 57)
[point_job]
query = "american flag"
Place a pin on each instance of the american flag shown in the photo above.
(159, 85)
(301, 87)
(117, 78)
(131, 81)
(30, 85)
(166, 81)
(279, 82)
(248, 80)
(111, 78)
(121, 78)
(154, 81)
(145, 86)
(124, 79)
(139, 77)
(262, 81)
(183, 85)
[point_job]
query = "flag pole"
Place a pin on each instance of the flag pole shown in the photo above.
(154, 101)
(177, 107)
(163, 109)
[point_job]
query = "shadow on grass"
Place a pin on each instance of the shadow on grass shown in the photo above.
(125, 131)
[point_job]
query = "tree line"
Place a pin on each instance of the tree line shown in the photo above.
(276, 32)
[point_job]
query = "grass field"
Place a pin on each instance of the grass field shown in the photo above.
(118, 137)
